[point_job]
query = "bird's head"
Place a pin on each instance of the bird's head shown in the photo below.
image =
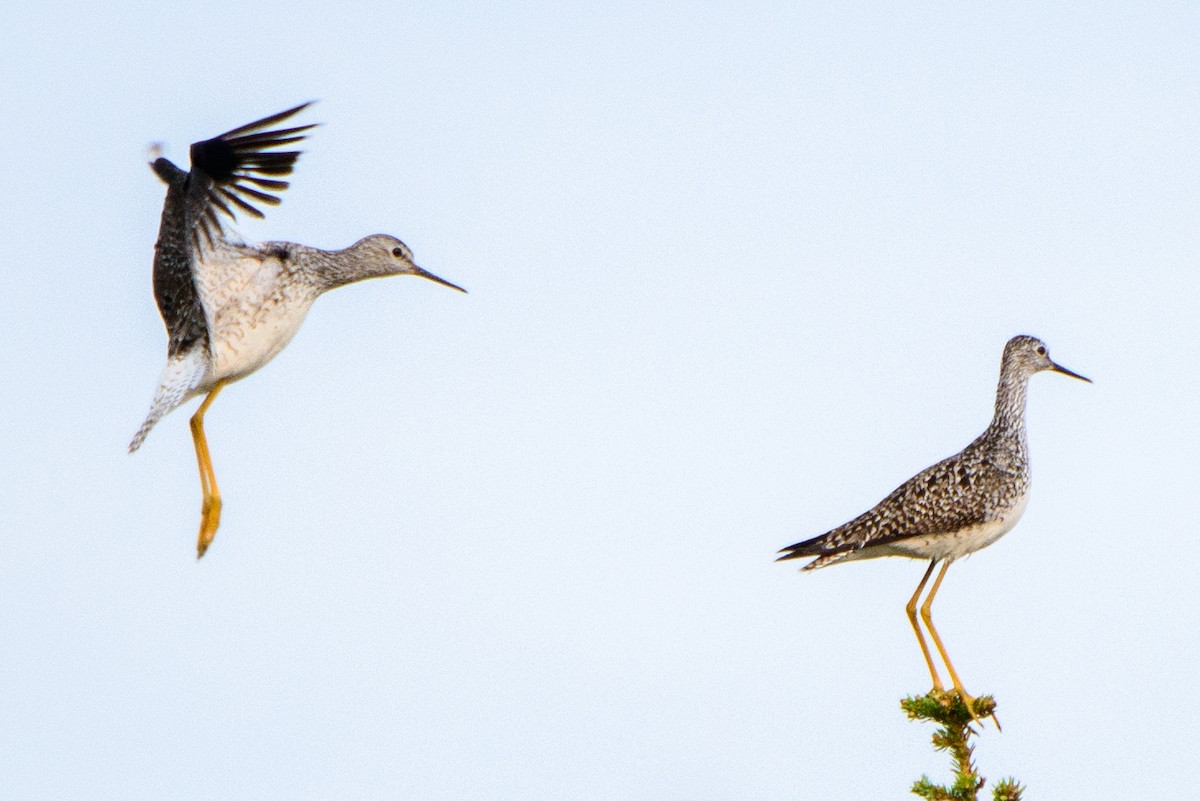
(1030, 355)
(382, 254)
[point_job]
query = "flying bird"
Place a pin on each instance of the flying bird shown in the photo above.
(955, 507)
(230, 307)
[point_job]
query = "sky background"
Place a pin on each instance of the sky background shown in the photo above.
(735, 272)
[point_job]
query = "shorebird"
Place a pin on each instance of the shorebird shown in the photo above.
(955, 507)
(231, 307)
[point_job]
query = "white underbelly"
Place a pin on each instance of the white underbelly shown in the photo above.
(240, 350)
(253, 311)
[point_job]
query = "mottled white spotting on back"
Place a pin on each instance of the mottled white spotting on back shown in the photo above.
(182, 378)
(952, 545)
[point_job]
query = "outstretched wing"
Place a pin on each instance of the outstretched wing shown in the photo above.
(232, 171)
(241, 168)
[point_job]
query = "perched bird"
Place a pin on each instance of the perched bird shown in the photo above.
(953, 508)
(231, 307)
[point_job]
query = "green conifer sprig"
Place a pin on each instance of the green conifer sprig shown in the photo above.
(954, 737)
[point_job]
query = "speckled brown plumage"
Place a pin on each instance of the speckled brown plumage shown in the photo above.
(960, 504)
(951, 509)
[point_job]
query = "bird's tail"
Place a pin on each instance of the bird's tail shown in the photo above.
(181, 379)
(156, 414)
(818, 547)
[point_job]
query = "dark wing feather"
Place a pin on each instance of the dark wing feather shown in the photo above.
(228, 171)
(227, 174)
(174, 252)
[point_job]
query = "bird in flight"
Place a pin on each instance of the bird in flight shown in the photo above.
(229, 306)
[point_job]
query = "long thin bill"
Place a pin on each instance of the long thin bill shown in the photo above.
(444, 282)
(1058, 368)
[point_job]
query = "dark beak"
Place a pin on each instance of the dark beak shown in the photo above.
(1058, 368)
(425, 274)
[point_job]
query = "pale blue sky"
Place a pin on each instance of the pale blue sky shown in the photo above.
(735, 272)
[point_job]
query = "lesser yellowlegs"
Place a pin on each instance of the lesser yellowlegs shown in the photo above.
(953, 508)
(231, 307)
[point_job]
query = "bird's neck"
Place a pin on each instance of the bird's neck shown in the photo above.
(1010, 400)
(330, 269)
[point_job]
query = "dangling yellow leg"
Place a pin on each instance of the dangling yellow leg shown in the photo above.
(210, 506)
(911, 610)
(927, 616)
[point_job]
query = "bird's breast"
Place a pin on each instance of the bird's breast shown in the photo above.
(254, 306)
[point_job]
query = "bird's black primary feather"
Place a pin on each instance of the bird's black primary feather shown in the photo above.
(228, 174)
(232, 171)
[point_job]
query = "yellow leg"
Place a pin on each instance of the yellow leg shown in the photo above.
(911, 610)
(210, 506)
(927, 616)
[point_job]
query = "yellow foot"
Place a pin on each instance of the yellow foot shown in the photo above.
(210, 520)
(970, 702)
(948, 698)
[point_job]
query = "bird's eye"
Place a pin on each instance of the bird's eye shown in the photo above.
(1041, 350)
(397, 252)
